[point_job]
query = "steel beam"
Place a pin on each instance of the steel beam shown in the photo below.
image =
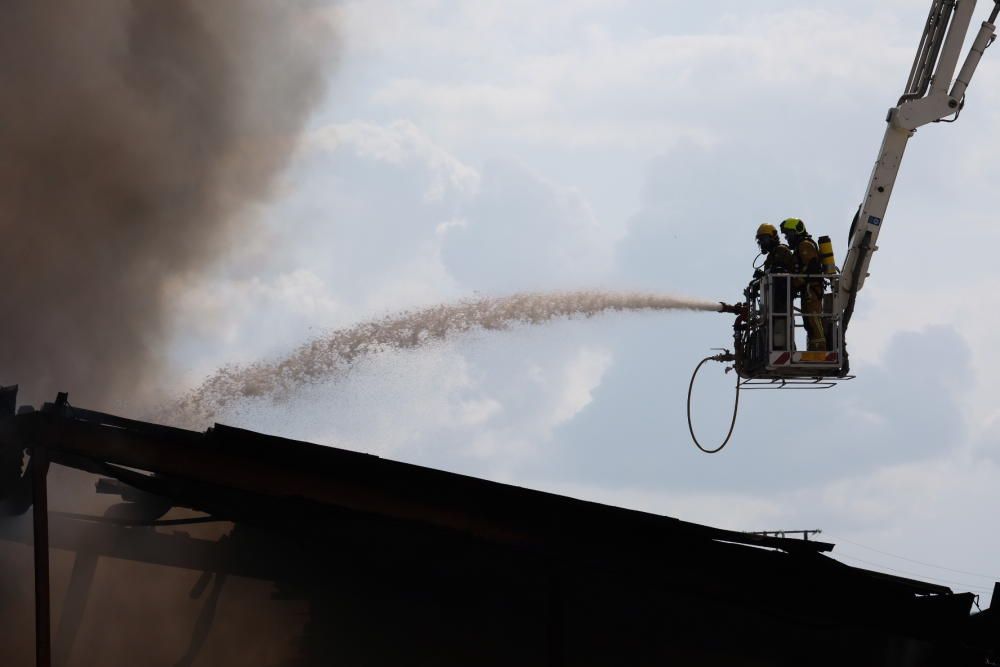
(40, 518)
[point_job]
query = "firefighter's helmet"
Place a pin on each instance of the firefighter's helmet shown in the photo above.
(791, 226)
(767, 230)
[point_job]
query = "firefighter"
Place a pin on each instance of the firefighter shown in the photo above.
(810, 290)
(778, 258)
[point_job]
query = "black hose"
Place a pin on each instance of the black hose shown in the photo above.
(736, 407)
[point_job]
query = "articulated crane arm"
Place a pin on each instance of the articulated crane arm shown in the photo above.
(932, 94)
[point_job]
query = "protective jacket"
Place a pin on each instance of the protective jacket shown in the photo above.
(807, 260)
(779, 260)
(810, 290)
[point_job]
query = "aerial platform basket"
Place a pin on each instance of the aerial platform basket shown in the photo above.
(770, 336)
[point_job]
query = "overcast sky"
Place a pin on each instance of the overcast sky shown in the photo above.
(489, 147)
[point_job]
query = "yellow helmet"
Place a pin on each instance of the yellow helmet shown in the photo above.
(792, 226)
(767, 230)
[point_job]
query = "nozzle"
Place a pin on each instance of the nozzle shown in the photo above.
(734, 309)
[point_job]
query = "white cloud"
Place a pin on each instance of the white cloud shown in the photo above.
(522, 231)
(468, 98)
(454, 223)
(580, 377)
(585, 77)
(232, 313)
(557, 388)
(402, 144)
(458, 404)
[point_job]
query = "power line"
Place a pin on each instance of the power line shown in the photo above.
(968, 586)
(971, 587)
(918, 562)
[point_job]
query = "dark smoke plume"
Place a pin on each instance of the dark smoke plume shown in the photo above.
(133, 136)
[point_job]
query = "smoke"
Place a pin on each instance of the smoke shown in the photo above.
(330, 355)
(134, 134)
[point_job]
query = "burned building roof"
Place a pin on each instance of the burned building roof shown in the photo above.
(461, 569)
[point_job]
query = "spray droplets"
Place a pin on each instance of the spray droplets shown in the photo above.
(326, 357)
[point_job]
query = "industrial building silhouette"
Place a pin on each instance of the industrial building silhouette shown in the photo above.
(389, 563)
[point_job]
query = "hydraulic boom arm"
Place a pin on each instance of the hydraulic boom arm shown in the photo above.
(933, 93)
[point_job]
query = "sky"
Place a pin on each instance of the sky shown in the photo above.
(485, 148)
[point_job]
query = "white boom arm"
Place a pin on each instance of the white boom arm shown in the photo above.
(932, 94)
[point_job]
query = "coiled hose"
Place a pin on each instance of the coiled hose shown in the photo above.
(736, 404)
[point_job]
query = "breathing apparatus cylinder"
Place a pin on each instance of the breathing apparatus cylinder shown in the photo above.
(826, 255)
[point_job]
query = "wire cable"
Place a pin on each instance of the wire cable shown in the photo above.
(918, 562)
(736, 407)
(965, 585)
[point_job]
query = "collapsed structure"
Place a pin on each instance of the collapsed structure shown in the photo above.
(394, 563)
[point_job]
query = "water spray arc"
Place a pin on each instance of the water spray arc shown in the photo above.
(326, 357)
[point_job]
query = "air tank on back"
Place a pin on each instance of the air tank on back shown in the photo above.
(826, 255)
